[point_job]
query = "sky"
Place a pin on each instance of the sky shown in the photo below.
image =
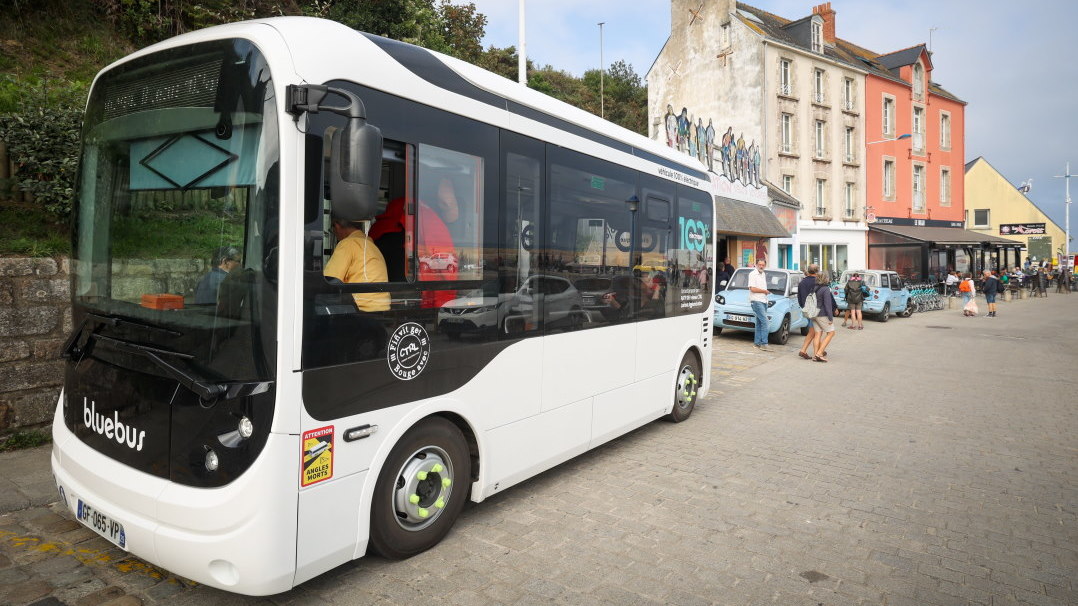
(1014, 63)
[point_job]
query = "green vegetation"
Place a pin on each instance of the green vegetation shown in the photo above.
(50, 51)
(178, 235)
(25, 439)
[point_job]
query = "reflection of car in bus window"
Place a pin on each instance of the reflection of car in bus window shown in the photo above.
(442, 261)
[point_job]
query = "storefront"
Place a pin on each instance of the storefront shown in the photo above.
(923, 250)
(744, 233)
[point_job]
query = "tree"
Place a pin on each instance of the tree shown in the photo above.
(463, 28)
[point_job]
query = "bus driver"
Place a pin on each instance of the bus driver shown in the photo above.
(356, 259)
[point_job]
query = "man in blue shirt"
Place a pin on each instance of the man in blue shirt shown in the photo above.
(225, 259)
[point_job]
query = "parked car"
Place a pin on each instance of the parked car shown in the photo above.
(888, 293)
(511, 312)
(732, 309)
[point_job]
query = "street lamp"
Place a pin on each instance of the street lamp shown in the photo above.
(902, 136)
(1067, 216)
(602, 72)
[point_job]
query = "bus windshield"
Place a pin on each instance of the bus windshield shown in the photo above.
(175, 218)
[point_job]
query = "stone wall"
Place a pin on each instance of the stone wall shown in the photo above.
(35, 319)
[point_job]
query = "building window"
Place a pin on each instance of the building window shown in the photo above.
(849, 145)
(821, 198)
(919, 129)
(788, 184)
(945, 130)
(888, 116)
(821, 138)
(918, 188)
(889, 179)
(945, 186)
(817, 86)
(817, 37)
(832, 258)
(726, 34)
(918, 82)
(847, 94)
(849, 209)
(980, 218)
(787, 133)
(785, 84)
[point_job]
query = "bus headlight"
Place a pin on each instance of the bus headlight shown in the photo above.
(246, 428)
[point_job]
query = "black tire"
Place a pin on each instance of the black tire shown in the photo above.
(782, 335)
(685, 388)
(911, 306)
(418, 466)
(716, 329)
(804, 331)
(885, 315)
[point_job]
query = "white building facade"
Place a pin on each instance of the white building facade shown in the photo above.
(769, 101)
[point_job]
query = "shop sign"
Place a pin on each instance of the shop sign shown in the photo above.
(907, 222)
(1022, 229)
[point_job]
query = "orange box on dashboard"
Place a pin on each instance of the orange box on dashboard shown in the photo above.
(162, 301)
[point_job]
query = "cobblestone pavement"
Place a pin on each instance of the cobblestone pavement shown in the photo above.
(932, 461)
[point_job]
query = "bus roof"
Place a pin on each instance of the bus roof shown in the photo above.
(322, 50)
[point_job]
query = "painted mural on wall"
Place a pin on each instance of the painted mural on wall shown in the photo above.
(723, 154)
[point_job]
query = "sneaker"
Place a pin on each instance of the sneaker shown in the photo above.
(761, 347)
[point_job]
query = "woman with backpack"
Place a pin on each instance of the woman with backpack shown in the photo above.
(817, 303)
(966, 289)
(855, 297)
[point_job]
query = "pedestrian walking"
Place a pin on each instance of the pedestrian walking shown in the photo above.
(966, 289)
(1042, 283)
(817, 303)
(758, 301)
(991, 289)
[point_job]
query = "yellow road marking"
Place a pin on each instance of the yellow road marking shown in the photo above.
(94, 557)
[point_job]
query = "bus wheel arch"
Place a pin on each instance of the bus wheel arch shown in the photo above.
(422, 486)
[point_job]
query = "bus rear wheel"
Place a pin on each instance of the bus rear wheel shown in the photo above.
(686, 388)
(421, 490)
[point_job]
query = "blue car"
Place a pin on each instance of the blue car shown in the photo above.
(888, 293)
(732, 309)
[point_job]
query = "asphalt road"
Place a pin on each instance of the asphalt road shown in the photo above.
(933, 460)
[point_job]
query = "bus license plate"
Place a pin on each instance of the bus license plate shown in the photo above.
(102, 523)
(737, 318)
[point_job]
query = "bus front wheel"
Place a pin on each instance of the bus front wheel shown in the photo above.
(689, 380)
(421, 490)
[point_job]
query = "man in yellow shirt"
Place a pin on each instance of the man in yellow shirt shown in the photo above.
(356, 259)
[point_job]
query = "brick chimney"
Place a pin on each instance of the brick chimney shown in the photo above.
(828, 14)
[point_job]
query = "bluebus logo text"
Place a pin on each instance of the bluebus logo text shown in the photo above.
(111, 428)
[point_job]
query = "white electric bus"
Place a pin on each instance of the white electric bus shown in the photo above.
(233, 415)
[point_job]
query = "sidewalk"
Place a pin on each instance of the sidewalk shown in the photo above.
(26, 479)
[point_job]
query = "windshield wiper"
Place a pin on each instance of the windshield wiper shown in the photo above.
(71, 346)
(206, 389)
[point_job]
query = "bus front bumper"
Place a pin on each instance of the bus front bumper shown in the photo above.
(240, 537)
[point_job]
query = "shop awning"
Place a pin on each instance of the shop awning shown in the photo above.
(947, 236)
(746, 219)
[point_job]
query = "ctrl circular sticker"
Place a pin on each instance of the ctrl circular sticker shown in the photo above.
(408, 351)
(317, 455)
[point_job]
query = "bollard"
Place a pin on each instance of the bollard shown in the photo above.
(952, 302)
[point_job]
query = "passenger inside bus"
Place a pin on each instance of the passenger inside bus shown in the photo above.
(225, 259)
(356, 259)
(437, 254)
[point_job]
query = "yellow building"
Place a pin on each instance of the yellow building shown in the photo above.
(995, 206)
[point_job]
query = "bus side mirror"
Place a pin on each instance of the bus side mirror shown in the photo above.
(356, 171)
(355, 163)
